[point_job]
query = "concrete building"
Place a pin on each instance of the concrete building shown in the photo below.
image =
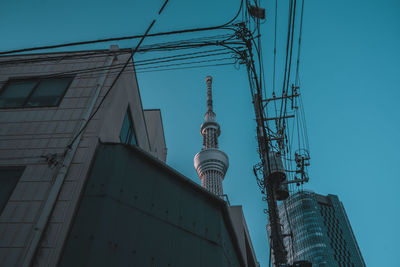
(83, 179)
(321, 231)
(137, 211)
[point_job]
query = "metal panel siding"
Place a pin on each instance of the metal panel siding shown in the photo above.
(17, 211)
(212, 223)
(134, 213)
(10, 255)
(189, 211)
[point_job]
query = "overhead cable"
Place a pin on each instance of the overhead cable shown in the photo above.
(112, 85)
(223, 26)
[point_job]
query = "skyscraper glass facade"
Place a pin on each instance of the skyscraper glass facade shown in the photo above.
(319, 231)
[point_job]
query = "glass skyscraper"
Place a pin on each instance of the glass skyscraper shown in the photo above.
(320, 231)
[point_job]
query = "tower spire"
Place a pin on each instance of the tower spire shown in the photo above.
(211, 163)
(209, 94)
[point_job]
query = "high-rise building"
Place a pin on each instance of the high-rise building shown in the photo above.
(320, 231)
(211, 163)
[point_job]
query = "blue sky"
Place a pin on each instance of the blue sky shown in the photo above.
(349, 71)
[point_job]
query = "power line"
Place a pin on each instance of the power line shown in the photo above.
(124, 67)
(273, 75)
(59, 56)
(192, 67)
(167, 66)
(286, 57)
(299, 48)
(112, 85)
(223, 26)
(106, 40)
(180, 59)
(181, 55)
(176, 45)
(289, 47)
(159, 46)
(185, 63)
(153, 62)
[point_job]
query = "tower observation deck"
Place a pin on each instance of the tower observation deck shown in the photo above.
(211, 163)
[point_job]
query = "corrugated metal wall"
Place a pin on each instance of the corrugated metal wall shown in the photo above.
(136, 213)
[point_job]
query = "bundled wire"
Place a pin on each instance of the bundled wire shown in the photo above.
(224, 26)
(180, 59)
(125, 66)
(192, 43)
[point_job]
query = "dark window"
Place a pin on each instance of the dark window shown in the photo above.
(127, 134)
(35, 92)
(9, 177)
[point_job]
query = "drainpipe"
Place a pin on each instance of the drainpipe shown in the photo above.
(42, 222)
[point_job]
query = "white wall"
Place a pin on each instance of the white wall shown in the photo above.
(156, 133)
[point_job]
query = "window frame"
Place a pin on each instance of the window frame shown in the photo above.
(19, 168)
(38, 79)
(133, 134)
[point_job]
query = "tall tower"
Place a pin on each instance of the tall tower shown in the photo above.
(211, 163)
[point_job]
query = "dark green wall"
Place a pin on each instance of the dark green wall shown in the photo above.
(135, 212)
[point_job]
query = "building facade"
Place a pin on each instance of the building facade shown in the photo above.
(83, 179)
(137, 211)
(53, 116)
(320, 231)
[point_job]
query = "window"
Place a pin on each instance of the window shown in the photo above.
(127, 134)
(35, 92)
(9, 177)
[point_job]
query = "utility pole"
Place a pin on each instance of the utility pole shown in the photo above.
(273, 172)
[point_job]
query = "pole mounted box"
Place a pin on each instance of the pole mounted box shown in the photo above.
(257, 12)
